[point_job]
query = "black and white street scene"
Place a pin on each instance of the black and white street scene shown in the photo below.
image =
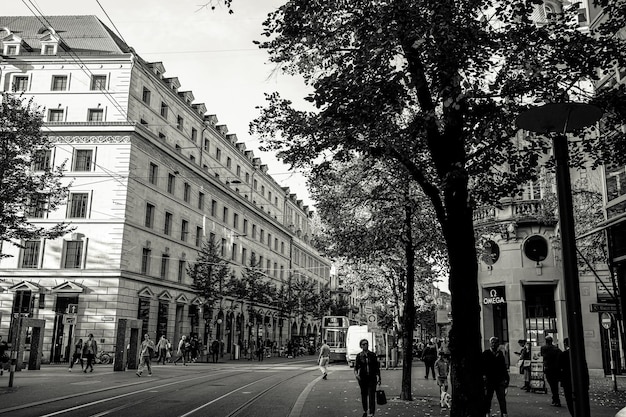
(301, 208)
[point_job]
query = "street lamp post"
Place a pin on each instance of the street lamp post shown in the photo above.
(561, 118)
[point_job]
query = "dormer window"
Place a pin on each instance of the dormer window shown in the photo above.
(48, 50)
(11, 49)
(49, 41)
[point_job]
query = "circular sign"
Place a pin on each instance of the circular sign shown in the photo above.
(606, 320)
(536, 248)
(491, 252)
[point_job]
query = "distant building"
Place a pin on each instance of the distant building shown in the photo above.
(152, 177)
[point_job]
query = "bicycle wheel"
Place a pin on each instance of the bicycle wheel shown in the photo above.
(105, 359)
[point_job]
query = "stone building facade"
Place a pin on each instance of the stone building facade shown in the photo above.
(152, 176)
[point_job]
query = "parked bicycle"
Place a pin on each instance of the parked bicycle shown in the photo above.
(104, 358)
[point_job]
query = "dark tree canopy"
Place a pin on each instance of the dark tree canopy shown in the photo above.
(435, 86)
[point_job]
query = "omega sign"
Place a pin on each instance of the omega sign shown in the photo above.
(494, 298)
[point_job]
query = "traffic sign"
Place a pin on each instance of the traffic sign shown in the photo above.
(606, 320)
(372, 322)
(603, 308)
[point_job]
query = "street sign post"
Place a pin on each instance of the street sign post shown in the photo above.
(372, 322)
(603, 308)
(606, 319)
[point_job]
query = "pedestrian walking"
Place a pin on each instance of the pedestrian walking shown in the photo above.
(182, 350)
(429, 356)
(495, 376)
(162, 348)
(193, 348)
(323, 359)
(90, 350)
(565, 376)
(215, 350)
(524, 363)
(550, 353)
(146, 353)
(443, 370)
(260, 349)
(78, 355)
(367, 372)
(4, 358)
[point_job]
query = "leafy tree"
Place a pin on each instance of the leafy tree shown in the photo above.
(435, 87)
(253, 288)
(210, 272)
(382, 229)
(28, 183)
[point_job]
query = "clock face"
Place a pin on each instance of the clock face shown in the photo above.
(536, 248)
(491, 252)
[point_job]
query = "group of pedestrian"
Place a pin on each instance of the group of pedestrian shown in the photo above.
(87, 350)
(556, 369)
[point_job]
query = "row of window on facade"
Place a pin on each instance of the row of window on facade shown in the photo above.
(14, 49)
(146, 97)
(264, 265)
(22, 82)
(98, 83)
(72, 254)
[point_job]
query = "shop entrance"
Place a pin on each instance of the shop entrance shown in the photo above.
(540, 314)
(63, 327)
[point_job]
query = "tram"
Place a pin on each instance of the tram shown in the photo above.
(334, 330)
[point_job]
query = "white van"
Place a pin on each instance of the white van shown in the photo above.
(353, 337)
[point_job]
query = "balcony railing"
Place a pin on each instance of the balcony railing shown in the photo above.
(518, 210)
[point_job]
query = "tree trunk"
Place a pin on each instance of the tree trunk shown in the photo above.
(465, 337)
(409, 308)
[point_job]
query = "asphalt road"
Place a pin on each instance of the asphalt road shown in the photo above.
(276, 387)
(230, 389)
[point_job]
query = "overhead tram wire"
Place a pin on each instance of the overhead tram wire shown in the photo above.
(113, 24)
(82, 65)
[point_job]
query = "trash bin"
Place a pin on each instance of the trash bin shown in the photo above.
(236, 351)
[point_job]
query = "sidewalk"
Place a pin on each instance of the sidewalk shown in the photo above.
(336, 397)
(339, 396)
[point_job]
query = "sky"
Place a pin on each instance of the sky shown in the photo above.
(210, 51)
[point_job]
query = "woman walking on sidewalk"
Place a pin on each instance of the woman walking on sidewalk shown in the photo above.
(182, 350)
(90, 350)
(78, 355)
(367, 372)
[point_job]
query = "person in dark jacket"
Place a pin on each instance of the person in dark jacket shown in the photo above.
(495, 376)
(367, 373)
(429, 356)
(565, 375)
(78, 355)
(90, 350)
(550, 354)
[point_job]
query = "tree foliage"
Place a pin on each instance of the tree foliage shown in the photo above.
(435, 87)
(210, 272)
(371, 218)
(28, 183)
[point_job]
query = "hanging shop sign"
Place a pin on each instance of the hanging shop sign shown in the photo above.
(495, 297)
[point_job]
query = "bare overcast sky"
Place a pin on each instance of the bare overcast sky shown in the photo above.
(210, 51)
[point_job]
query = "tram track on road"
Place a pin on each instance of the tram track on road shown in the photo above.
(83, 394)
(119, 399)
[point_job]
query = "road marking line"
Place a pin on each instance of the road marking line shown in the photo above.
(219, 398)
(296, 411)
